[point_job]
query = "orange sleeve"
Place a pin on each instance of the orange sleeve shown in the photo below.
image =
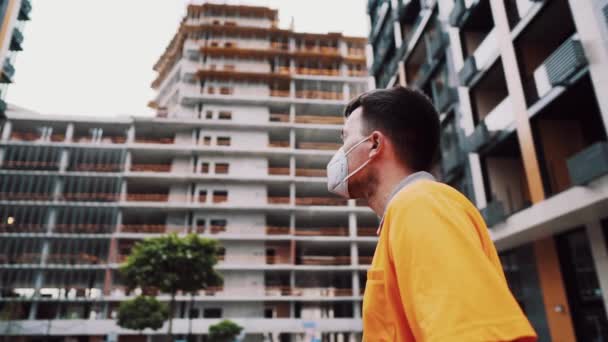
(450, 291)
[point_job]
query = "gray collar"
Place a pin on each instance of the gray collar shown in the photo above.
(409, 180)
(413, 178)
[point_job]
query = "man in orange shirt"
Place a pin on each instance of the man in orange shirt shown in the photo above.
(435, 275)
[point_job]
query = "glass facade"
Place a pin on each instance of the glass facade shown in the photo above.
(519, 265)
(582, 286)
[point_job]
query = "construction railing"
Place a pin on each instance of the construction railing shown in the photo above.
(327, 146)
(148, 197)
(276, 117)
(278, 199)
(278, 143)
(318, 71)
(279, 93)
(319, 94)
(311, 172)
(94, 196)
(151, 167)
(83, 228)
(319, 119)
(275, 171)
(143, 228)
(322, 231)
(277, 230)
(155, 140)
(320, 201)
(324, 260)
(367, 231)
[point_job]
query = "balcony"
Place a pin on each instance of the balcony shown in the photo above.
(444, 96)
(83, 228)
(21, 259)
(147, 197)
(311, 172)
(546, 60)
(319, 94)
(275, 117)
(559, 68)
(74, 259)
(278, 200)
(279, 93)
(325, 146)
(318, 72)
(367, 231)
(324, 260)
(319, 119)
(589, 164)
(504, 177)
(151, 167)
(22, 228)
(457, 15)
(143, 228)
(279, 144)
(568, 130)
(277, 230)
(468, 71)
(24, 11)
(320, 201)
(16, 40)
(278, 171)
(437, 43)
(90, 197)
(146, 140)
(322, 231)
(8, 71)
(493, 213)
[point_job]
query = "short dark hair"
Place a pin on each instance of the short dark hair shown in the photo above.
(407, 117)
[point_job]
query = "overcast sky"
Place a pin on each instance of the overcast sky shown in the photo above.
(91, 57)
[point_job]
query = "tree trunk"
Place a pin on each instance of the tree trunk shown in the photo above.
(170, 329)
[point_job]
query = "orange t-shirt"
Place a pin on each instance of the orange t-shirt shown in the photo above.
(436, 275)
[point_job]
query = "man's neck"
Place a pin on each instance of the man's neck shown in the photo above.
(378, 200)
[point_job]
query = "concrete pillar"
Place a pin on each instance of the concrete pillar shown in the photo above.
(292, 89)
(356, 293)
(131, 134)
(292, 113)
(58, 189)
(6, 130)
(292, 138)
(123, 191)
(352, 225)
(346, 91)
(292, 166)
(589, 23)
(69, 132)
(599, 250)
(63, 160)
(128, 162)
(292, 194)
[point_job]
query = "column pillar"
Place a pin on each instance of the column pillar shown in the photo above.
(588, 19)
(69, 132)
(553, 290)
(6, 130)
(518, 100)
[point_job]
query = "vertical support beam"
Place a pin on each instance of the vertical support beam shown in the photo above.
(69, 132)
(588, 21)
(518, 100)
(352, 225)
(6, 130)
(292, 166)
(292, 138)
(345, 91)
(131, 134)
(292, 113)
(599, 251)
(401, 72)
(292, 194)
(128, 162)
(554, 293)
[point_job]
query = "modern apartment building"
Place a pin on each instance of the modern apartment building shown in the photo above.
(13, 15)
(248, 115)
(521, 86)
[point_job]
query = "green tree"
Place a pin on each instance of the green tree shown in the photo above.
(141, 313)
(224, 331)
(171, 264)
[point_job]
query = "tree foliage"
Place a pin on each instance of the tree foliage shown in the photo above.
(224, 331)
(172, 264)
(141, 313)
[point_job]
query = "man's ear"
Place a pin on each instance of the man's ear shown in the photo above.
(378, 141)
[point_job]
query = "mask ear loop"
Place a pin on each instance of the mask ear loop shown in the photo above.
(360, 167)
